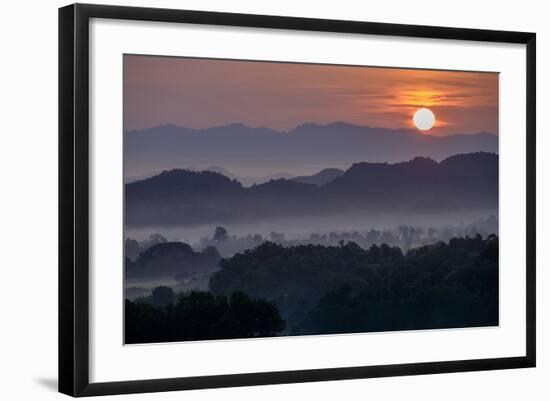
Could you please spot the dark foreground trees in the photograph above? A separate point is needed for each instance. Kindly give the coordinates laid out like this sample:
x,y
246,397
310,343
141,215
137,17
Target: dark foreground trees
x,y
322,290
201,316
171,259
314,289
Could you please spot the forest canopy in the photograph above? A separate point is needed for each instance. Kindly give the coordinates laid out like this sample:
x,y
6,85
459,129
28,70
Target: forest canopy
x,y
201,316
313,289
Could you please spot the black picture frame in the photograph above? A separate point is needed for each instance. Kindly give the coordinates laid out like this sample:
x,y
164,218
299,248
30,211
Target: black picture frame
x,y
74,198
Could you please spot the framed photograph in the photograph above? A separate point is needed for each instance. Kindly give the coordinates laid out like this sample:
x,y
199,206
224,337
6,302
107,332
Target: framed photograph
x,y
250,199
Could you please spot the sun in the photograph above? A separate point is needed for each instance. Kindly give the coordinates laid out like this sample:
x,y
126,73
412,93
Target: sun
x,y
424,119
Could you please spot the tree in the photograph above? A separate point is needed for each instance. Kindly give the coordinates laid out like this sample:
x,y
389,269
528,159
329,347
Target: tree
x,y
171,259
442,285
154,239
162,296
132,248
220,234
199,315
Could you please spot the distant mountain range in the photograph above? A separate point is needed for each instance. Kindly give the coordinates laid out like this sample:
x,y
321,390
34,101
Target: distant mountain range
x,y
246,181
321,178
249,151
184,197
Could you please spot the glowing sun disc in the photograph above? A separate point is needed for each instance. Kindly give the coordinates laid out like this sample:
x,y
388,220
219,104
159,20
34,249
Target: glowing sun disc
x,y
424,119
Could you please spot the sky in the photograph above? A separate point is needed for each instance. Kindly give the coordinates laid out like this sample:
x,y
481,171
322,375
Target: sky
x,y
203,93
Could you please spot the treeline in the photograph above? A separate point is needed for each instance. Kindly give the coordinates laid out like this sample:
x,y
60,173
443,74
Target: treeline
x,y
172,259
199,316
403,236
315,289
325,289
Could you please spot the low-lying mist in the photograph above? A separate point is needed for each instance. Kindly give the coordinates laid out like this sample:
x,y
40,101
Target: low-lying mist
x,y
302,227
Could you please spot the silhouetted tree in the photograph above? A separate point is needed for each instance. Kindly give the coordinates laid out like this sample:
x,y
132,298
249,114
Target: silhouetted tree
x,y
162,296
220,234
132,248
201,316
172,259
331,289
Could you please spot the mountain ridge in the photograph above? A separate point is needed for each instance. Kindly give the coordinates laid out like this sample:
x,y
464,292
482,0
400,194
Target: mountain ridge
x,y
461,182
298,128
248,151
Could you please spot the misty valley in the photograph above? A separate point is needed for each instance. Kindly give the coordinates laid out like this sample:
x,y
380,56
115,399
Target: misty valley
x,y
371,247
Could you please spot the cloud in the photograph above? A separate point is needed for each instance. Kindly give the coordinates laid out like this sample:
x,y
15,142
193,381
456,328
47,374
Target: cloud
x,y
200,93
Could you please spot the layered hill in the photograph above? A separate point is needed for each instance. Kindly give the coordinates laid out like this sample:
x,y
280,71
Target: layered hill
x,y
183,197
321,178
249,151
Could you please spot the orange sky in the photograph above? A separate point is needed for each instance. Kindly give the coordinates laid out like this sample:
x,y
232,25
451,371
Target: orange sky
x,y
200,93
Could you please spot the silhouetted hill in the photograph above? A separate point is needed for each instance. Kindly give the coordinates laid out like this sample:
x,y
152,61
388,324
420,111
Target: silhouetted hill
x,y
177,196
345,289
248,149
183,184
172,260
248,181
467,181
221,170
321,178
461,182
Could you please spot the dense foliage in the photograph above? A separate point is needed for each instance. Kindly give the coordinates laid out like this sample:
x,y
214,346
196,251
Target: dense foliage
x,y
313,289
403,236
326,289
199,316
172,259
